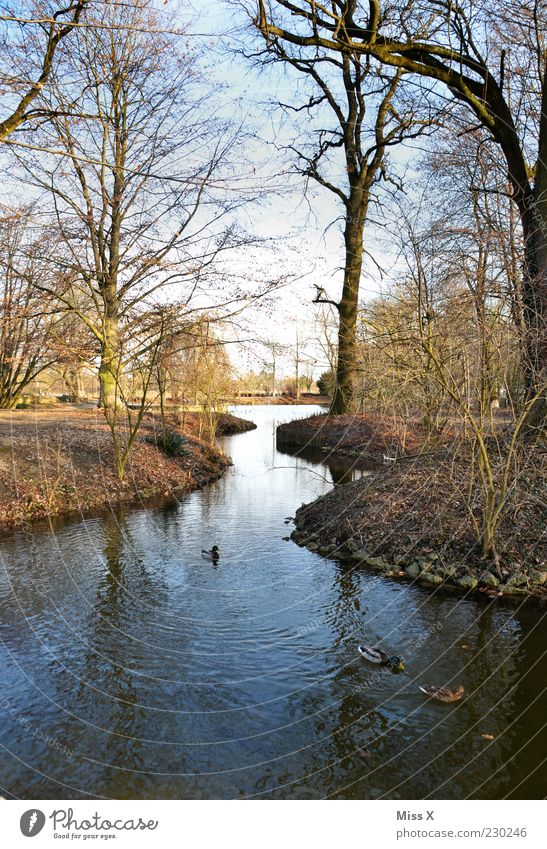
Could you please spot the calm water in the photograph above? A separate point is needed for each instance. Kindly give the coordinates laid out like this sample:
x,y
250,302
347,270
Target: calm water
x,y
132,667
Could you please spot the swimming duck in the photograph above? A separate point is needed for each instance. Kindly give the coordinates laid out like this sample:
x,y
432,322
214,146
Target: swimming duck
x,y
214,554
443,694
375,655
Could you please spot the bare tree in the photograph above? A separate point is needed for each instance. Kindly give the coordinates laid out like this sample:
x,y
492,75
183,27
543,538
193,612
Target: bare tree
x,y
191,364
468,48
125,118
26,344
40,44
448,336
353,109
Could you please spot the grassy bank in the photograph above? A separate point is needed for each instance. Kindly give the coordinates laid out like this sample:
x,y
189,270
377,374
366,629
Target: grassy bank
x,y
411,519
54,462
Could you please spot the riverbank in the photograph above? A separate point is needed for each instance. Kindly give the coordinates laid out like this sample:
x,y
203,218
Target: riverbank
x,y
411,519
54,462
283,400
370,436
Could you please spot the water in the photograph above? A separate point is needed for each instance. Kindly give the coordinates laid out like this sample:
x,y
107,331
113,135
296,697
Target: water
x,y
131,667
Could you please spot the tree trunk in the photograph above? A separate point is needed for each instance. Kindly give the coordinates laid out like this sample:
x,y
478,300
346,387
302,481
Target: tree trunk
x,y
74,381
162,384
79,394
8,401
109,368
535,314
533,210
344,398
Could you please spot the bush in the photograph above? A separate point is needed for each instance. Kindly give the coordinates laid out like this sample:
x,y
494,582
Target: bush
x,y
175,445
326,383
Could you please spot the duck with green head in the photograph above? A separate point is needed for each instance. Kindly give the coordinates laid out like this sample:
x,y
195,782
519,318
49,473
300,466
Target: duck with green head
x,y
214,554
381,657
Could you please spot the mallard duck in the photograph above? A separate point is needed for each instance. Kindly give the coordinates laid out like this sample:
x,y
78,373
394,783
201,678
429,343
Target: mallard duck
x,y
375,655
214,554
443,694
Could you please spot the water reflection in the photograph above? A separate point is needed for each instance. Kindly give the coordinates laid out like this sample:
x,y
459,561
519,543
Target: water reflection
x,y
341,469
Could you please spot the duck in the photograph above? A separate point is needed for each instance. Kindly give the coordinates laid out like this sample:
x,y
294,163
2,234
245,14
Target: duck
x,y
214,554
375,655
443,694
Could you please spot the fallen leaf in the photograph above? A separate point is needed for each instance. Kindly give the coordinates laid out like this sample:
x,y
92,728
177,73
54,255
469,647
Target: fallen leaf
x,y
488,736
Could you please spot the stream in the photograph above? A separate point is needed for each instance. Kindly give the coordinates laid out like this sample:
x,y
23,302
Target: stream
x,y
132,667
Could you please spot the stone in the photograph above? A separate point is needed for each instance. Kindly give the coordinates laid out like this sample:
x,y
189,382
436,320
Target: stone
x,y
352,545
518,579
447,571
301,540
468,582
429,578
325,550
312,546
507,590
413,570
359,553
537,577
489,580
376,562
432,555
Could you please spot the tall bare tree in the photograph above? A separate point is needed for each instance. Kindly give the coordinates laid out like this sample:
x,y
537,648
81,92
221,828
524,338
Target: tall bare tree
x,y
26,346
126,171
466,48
353,109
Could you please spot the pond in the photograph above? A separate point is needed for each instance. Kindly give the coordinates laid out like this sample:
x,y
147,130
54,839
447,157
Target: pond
x,y
131,667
